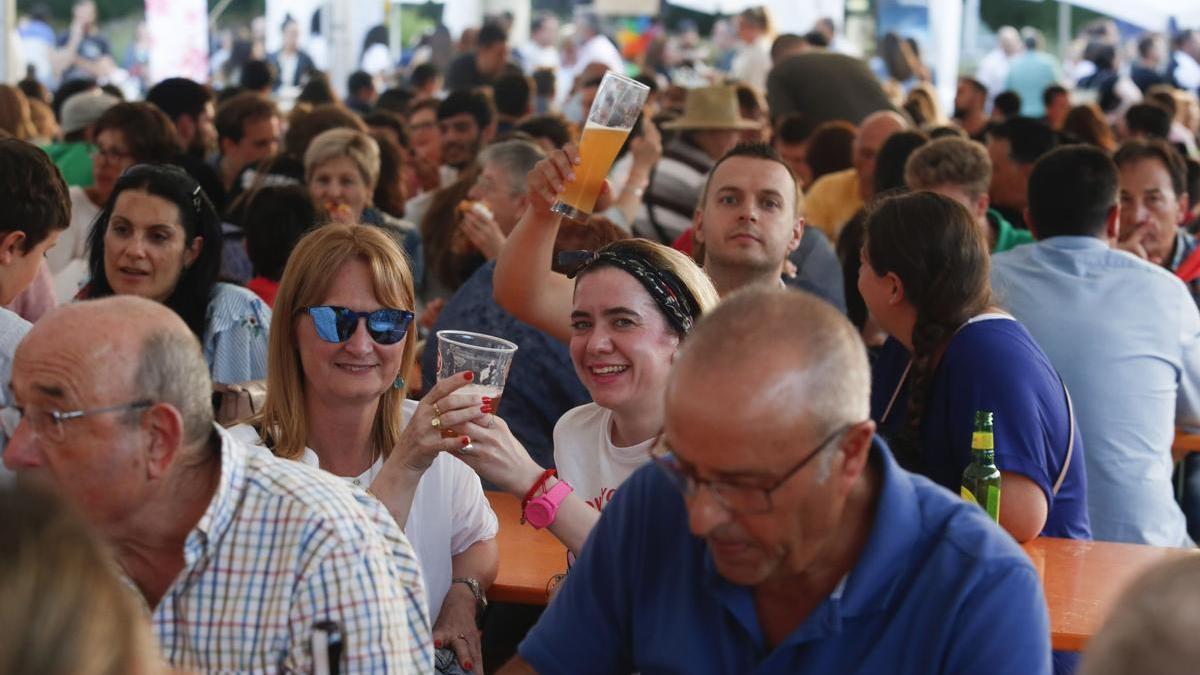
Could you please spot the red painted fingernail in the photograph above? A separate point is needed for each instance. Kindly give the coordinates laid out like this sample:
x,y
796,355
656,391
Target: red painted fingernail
x,y
466,441
485,409
467,665
469,376
437,644
487,400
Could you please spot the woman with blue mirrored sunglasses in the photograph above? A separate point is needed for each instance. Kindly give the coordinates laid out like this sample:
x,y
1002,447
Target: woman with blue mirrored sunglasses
x,y
339,354
337,324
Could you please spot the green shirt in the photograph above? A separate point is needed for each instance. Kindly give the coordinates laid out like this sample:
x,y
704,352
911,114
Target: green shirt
x,y
74,160
1007,236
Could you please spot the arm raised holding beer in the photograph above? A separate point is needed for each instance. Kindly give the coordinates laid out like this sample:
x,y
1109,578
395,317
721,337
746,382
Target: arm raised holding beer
x,y
523,282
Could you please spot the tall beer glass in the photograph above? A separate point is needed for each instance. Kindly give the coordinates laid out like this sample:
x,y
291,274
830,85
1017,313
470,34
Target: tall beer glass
x,y
616,107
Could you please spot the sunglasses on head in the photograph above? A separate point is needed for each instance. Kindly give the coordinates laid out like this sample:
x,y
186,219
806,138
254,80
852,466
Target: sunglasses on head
x,y
337,324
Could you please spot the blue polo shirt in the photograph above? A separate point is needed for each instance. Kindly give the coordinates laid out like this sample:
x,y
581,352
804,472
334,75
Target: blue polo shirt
x,y
939,588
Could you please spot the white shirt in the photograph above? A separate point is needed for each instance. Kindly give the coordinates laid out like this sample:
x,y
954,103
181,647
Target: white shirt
x,y
287,67
598,49
587,458
1187,71
752,63
535,56
993,71
449,512
377,60
68,257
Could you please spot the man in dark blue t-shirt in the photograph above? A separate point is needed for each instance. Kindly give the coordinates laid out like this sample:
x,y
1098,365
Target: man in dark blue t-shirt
x,y
82,52
798,545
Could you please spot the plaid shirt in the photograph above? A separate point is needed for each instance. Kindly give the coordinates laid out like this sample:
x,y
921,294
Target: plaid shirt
x,y
1185,245
280,548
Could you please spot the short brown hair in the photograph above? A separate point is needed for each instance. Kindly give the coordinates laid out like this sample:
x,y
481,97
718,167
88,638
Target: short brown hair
x,y
234,113
1132,152
755,151
831,148
306,126
950,161
148,132
33,192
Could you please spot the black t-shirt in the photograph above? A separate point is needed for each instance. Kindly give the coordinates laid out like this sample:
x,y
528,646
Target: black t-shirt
x,y
463,74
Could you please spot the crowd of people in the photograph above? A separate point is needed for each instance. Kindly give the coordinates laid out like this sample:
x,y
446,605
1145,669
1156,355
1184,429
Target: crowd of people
x,y
744,392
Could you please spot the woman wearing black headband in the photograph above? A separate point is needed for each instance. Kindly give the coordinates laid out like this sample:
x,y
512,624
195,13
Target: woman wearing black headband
x,y
633,302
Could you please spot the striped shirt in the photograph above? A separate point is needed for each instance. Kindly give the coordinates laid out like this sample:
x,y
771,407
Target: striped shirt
x,y
281,547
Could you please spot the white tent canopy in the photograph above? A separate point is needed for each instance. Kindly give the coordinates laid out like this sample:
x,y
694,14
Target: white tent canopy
x,y
789,16
1150,14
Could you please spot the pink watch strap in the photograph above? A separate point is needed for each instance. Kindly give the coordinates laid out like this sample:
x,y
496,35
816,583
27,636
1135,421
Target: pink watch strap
x,y
541,511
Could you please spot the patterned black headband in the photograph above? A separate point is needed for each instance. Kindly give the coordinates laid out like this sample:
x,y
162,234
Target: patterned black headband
x,y
668,291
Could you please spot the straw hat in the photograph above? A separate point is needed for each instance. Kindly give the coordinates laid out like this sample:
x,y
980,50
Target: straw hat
x,y
711,108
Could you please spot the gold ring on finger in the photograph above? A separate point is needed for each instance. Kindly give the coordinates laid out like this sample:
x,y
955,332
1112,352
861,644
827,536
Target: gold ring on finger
x,y
437,411
436,422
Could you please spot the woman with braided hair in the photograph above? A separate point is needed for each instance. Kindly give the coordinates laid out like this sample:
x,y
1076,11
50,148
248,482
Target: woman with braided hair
x,y
952,352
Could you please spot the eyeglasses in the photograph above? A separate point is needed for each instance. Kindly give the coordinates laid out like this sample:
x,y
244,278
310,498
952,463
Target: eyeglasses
x,y
735,498
110,155
337,324
48,424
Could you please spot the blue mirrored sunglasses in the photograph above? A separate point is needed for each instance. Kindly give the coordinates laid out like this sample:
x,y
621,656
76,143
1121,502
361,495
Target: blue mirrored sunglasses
x,y
337,324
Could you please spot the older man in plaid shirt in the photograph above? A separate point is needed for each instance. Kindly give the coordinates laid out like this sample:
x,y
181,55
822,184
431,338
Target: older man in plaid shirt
x,y
238,555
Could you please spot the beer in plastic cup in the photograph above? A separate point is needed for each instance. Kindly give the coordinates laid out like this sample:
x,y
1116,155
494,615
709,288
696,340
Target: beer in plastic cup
x,y
487,357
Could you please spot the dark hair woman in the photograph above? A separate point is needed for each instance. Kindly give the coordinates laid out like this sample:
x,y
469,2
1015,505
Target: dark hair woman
x,y
159,237
952,352
126,134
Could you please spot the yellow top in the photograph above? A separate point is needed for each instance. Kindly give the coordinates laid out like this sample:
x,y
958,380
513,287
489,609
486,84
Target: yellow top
x,y
832,200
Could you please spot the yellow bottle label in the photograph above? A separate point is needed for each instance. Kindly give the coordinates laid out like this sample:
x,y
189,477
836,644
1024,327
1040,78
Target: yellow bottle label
x,y
966,495
993,502
981,440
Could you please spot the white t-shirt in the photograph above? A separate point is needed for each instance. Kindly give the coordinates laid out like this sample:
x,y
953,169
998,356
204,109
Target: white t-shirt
x,y
598,49
68,257
449,512
535,56
586,457
752,63
287,67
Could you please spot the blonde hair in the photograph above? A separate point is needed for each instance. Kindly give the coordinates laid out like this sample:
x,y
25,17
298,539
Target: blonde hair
x,y
667,259
1152,626
45,126
306,281
63,609
15,117
336,143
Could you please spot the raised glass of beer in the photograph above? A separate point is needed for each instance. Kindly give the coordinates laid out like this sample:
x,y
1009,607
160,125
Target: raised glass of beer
x,y
618,102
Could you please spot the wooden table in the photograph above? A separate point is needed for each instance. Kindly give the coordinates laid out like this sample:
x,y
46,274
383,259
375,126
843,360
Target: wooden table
x,y
1083,580
528,557
1185,442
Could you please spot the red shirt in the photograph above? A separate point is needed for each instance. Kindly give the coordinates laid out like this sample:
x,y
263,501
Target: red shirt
x,y
265,289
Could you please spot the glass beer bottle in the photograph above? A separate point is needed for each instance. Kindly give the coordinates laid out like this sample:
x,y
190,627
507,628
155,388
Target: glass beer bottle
x,y
981,479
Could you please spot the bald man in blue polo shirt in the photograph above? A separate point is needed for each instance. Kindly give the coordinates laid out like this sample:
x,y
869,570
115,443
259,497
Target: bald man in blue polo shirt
x,y
798,544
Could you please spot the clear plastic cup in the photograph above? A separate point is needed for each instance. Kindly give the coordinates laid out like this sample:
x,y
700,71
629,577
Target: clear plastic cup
x,y
488,357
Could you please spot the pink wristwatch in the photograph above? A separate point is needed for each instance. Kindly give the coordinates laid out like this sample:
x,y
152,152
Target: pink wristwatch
x,y
540,512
